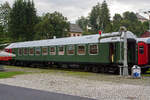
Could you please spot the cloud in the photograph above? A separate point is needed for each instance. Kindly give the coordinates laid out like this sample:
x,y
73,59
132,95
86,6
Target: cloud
x,y
73,9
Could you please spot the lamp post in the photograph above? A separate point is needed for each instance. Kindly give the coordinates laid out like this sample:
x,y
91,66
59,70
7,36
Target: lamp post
x,y
125,63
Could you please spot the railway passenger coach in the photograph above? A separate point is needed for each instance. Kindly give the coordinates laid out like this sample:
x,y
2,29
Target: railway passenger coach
x,y
86,52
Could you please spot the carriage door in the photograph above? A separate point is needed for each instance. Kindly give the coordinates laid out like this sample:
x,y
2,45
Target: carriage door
x,y
142,53
111,52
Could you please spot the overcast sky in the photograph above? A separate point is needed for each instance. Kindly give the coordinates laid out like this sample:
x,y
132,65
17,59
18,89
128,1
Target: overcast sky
x,y
73,9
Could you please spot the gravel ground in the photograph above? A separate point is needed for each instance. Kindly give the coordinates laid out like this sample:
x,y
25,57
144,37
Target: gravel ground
x,y
101,90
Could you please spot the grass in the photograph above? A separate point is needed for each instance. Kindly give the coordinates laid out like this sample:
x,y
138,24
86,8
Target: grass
x,y
9,74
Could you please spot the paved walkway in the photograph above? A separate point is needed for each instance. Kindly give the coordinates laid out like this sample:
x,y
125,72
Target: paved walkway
x,y
17,93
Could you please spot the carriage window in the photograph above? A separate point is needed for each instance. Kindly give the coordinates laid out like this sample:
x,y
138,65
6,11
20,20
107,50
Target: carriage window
x,y
45,51
93,49
61,50
52,50
26,51
81,50
20,51
38,51
70,49
141,49
31,51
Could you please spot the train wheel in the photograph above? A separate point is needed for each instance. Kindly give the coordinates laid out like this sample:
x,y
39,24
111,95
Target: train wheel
x,y
95,69
87,68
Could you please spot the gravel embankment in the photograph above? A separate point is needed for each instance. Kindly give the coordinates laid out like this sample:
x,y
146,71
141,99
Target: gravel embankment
x,y
101,90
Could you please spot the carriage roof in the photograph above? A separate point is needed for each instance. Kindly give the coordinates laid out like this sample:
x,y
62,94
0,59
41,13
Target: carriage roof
x,y
146,40
72,40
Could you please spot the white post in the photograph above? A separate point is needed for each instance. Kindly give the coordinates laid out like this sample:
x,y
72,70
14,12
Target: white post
x,y
125,64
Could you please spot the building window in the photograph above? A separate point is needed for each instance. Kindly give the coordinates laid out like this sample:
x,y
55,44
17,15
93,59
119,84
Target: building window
x,y
52,50
74,35
38,51
31,51
70,49
81,50
61,50
20,51
93,49
26,51
44,51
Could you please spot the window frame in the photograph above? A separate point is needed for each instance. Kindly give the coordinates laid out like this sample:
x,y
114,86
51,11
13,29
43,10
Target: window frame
x,y
61,51
19,52
97,49
50,53
84,49
33,51
27,51
36,53
73,49
44,54
141,49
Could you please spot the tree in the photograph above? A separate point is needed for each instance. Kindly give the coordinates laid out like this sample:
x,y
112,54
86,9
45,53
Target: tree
x,y
4,15
100,18
4,19
22,20
94,18
131,22
52,24
116,22
105,17
83,22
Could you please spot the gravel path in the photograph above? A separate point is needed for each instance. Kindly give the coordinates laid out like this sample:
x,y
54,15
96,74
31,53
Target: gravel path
x,y
100,90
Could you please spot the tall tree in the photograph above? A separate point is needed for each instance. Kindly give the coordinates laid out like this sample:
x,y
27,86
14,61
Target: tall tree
x,y
94,17
4,15
4,19
105,17
117,22
100,18
52,24
22,20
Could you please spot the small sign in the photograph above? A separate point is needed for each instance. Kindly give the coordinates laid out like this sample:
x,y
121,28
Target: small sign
x,y
100,32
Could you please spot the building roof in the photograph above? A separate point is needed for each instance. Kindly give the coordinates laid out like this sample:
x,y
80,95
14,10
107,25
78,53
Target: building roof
x,y
145,34
73,40
75,28
140,17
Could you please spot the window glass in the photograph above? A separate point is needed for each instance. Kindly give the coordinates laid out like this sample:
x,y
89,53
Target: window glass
x,y
94,49
70,49
26,51
141,49
52,50
45,51
20,51
38,51
81,50
31,51
61,50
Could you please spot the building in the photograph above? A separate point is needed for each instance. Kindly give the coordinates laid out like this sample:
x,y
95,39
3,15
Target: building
x,y
145,34
75,30
141,18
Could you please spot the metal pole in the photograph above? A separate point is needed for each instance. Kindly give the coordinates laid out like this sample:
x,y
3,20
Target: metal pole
x,y
125,64
149,22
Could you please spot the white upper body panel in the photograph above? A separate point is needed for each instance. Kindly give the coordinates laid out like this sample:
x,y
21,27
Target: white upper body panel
x,y
72,40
